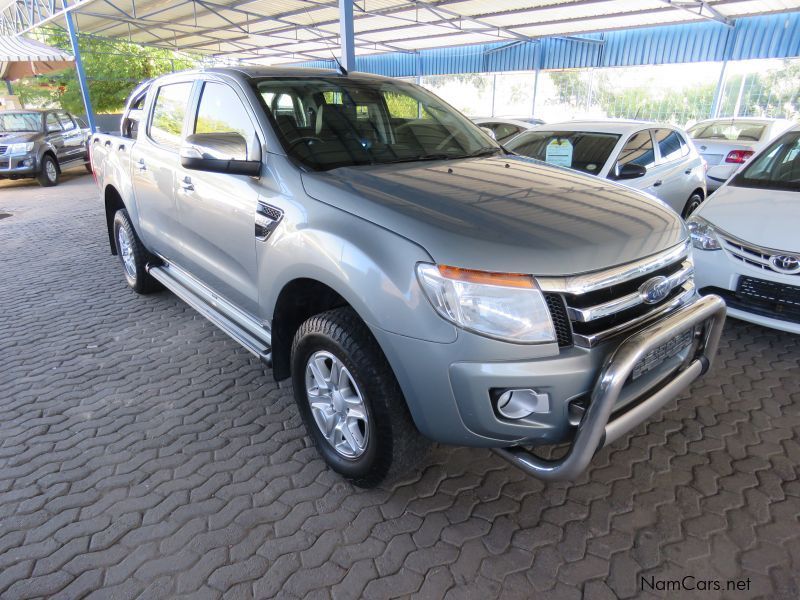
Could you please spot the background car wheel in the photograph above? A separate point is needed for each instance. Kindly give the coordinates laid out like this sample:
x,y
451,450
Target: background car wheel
x,y
350,400
133,255
694,201
48,175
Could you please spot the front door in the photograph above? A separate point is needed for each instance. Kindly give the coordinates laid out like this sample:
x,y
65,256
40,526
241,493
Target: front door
x,y
217,210
639,150
54,135
154,159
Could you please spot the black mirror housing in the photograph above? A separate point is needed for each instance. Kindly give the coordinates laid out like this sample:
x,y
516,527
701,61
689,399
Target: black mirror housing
x,y
628,171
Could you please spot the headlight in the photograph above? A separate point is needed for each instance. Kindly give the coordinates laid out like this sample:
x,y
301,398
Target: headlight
x,y
22,148
702,233
505,306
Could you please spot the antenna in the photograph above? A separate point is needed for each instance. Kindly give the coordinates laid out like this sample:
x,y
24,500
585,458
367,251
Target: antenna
x,y
339,65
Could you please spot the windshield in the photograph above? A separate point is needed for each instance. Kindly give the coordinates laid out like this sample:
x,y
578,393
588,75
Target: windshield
x,y
16,122
734,132
776,168
581,150
331,122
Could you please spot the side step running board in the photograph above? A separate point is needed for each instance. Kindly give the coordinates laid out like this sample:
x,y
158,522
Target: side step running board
x,y
209,306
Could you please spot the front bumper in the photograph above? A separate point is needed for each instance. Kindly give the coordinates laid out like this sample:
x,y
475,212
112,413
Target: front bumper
x,y
18,166
598,427
716,272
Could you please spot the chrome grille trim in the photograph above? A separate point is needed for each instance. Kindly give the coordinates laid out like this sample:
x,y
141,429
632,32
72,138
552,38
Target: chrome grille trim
x,y
589,341
606,309
752,254
589,282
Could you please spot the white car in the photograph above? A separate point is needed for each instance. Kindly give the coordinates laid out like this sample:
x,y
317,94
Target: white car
x,y
652,157
726,144
505,129
747,245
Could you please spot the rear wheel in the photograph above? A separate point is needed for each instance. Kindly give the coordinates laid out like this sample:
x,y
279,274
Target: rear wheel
x,y
48,175
692,204
350,401
133,255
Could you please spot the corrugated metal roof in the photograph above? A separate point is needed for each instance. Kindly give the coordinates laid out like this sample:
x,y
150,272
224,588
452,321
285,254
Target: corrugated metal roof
x,y
235,29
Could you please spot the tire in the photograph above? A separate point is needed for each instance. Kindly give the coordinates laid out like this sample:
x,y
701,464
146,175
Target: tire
x,y
694,201
49,173
391,442
133,255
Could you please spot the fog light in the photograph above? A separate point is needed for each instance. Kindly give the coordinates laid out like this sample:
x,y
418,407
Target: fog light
x,y
516,404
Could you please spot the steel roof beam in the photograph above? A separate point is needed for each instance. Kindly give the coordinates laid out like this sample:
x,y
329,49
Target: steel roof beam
x,y
696,8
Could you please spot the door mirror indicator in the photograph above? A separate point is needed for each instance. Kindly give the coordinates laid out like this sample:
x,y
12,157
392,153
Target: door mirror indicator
x,y
628,171
224,152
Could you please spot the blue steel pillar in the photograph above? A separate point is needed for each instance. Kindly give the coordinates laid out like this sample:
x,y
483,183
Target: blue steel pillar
x,y
87,102
347,35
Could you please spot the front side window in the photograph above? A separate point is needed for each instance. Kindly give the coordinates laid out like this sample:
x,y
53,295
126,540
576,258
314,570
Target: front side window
x,y
581,150
638,150
776,168
168,114
51,122
671,144
66,122
727,130
221,111
326,123
13,122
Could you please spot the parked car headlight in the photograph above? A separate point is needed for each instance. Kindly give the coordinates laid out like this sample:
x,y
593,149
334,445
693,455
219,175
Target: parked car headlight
x,y
703,235
504,306
21,148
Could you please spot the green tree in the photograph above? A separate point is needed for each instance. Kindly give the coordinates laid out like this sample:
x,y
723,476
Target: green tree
x,y
112,68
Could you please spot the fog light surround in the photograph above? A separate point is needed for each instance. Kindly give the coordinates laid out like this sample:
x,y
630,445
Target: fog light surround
x,y
519,403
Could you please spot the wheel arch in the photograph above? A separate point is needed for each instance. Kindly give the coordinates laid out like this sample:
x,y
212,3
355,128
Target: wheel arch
x,y
113,202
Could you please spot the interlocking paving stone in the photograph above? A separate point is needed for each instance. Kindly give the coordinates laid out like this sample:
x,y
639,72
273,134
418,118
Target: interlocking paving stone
x,y
144,454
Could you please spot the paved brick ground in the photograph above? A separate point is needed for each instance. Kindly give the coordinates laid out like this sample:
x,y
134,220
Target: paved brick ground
x,y
143,454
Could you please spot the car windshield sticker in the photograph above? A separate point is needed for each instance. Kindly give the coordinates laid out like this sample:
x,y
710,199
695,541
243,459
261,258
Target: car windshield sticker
x,y
559,152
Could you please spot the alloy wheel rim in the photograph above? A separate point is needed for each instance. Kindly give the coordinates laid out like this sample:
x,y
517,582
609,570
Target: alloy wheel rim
x,y
51,170
126,252
337,404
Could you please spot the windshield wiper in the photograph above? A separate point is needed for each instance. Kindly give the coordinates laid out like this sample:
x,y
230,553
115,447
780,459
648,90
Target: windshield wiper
x,y
485,151
421,157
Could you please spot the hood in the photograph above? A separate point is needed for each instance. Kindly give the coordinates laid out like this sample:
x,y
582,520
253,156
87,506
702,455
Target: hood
x,y
766,218
504,214
11,137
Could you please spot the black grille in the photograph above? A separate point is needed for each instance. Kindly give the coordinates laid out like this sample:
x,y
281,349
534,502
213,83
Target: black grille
x,y
558,312
3,149
764,298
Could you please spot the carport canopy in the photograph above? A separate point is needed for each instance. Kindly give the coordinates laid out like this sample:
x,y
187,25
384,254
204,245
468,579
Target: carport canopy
x,y
280,31
21,57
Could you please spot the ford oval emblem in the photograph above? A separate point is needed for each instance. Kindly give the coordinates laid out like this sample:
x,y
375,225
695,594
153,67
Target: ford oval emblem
x,y
655,290
785,263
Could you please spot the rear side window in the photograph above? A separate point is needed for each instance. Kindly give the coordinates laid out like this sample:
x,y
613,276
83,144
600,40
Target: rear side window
x,y
51,122
638,150
221,111
66,121
671,144
168,114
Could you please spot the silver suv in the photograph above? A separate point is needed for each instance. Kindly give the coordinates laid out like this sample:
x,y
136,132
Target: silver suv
x,y
372,244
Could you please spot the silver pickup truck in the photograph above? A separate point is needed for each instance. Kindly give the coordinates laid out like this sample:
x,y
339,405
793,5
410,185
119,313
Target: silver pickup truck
x,y
409,275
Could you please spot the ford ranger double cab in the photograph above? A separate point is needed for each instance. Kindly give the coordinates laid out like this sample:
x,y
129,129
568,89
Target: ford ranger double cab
x,y
414,280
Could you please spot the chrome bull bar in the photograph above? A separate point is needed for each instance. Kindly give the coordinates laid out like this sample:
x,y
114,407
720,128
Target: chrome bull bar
x,y
595,429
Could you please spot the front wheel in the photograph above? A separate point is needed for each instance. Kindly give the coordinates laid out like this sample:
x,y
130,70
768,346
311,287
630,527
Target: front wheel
x,y
350,400
48,175
692,204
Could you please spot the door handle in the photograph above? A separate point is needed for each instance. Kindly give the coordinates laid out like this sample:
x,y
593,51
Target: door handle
x,y
141,166
657,183
187,185
108,143
121,148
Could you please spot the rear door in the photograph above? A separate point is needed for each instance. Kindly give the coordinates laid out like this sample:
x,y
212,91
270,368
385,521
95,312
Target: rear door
x,y
74,143
674,168
218,210
154,161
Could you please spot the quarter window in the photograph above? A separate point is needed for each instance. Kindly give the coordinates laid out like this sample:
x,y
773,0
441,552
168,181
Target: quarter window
x,y
168,114
221,111
638,150
671,144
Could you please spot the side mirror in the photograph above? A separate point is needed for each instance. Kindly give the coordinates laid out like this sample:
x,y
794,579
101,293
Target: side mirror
x,y
628,171
489,132
224,152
